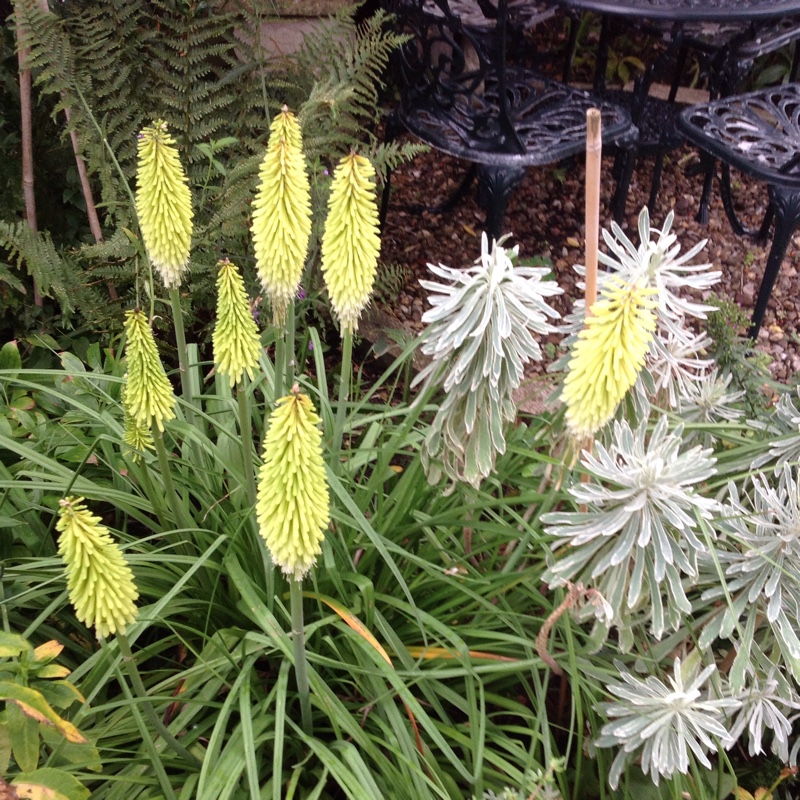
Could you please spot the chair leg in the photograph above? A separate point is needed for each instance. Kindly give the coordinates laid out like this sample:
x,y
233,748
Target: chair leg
x,y
708,165
393,129
726,192
786,207
655,183
495,185
624,169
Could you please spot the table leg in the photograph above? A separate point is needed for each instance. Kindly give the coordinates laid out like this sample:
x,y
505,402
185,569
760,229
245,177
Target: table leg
x,y
495,184
786,205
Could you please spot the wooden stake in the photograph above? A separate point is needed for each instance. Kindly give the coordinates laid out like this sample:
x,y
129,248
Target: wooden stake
x,y
26,128
594,147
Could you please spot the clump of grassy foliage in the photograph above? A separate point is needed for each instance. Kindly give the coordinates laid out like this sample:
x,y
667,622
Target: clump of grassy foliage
x,y
497,609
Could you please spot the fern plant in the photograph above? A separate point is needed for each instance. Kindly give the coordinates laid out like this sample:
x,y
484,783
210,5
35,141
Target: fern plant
x,y
202,68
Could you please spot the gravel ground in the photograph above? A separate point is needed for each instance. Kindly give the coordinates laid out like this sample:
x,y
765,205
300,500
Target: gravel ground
x,y
545,217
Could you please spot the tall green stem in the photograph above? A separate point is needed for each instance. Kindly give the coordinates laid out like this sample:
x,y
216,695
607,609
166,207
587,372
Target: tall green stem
x,y
246,434
290,354
183,358
280,367
284,354
138,686
299,645
344,394
166,476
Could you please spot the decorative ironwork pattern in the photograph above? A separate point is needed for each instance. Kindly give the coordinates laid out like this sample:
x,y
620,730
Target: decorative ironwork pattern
x,y
758,133
688,10
460,96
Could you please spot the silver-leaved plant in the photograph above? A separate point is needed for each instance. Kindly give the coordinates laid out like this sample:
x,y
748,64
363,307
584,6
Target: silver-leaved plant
x,y
636,539
759,553
480,336
661,724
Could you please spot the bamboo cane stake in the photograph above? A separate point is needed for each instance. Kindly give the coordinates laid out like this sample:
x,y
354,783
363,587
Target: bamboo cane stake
x,y
26,127
594,147
86,188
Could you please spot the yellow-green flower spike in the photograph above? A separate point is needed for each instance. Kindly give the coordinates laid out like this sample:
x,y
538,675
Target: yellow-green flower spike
x,y
282,214
292,505
148,393
137,436
163,203
235,339
99,581
351,242
608,356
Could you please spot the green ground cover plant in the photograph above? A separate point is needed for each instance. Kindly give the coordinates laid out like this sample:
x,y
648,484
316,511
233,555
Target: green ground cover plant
x,y
236,571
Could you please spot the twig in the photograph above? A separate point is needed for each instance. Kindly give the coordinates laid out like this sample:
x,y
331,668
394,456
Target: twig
x,y
575,594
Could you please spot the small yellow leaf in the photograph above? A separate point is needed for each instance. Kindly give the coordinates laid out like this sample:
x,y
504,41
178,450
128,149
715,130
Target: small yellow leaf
x,y
442,652
396,468
35,791
743,794
48,651
54,671
353,621
573,242
470,231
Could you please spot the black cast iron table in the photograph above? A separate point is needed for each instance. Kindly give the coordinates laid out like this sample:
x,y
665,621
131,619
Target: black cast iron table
x,y
759,134
688,10
727,34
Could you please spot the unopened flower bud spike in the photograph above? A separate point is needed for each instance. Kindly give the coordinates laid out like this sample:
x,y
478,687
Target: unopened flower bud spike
x,y
293,509
237,347
164,209
350,249
102,591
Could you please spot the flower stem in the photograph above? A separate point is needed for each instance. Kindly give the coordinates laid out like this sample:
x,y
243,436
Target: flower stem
x,y
138,686
166,475
183,358
279,390
344,393
246,433
290,354
299,644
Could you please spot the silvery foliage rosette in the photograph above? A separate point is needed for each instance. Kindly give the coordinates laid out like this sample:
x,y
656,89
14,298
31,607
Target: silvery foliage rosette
x,y
480,330
759,554
708,402
662,723
636,541
784,430
766,704
677,354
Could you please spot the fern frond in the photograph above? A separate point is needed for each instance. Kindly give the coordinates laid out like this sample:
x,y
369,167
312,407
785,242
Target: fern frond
x,y
56,273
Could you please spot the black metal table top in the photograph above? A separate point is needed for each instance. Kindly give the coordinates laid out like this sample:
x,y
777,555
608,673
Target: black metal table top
x,y
687,10
758,132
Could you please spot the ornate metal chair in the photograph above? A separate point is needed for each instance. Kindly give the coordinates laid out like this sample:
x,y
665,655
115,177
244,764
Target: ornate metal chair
x,y
759,134
460,95
725,51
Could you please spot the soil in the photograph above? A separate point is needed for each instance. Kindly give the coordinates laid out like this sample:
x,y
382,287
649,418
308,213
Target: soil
x,y
546,217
